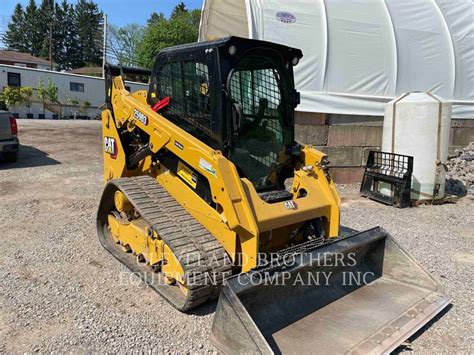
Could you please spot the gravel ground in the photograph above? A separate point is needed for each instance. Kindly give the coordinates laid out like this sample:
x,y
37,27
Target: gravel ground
x,y
60,291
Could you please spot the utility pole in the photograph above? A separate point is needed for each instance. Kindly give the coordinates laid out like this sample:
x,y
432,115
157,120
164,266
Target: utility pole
x,y
51,45
104,49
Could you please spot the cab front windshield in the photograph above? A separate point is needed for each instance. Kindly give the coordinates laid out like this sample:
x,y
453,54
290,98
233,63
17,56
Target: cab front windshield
x,y
261,113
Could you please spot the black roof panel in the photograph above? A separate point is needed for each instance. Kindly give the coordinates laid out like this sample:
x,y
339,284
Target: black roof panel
x,y
227,41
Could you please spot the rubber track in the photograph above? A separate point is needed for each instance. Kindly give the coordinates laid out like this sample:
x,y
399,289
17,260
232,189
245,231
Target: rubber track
x,y
199,253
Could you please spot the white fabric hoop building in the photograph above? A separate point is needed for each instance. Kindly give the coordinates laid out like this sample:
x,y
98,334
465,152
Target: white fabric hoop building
x,y
358,55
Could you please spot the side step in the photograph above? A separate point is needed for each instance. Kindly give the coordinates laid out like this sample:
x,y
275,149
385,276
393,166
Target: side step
x,y
376,296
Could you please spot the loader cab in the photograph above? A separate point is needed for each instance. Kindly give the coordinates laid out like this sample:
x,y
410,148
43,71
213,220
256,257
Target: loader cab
x,y
236,95
261,98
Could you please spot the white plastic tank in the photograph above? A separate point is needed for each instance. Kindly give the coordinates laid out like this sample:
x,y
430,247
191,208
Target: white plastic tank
x,y
418,124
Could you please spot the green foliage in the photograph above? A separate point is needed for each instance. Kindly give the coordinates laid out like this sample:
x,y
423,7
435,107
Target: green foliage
x,y
42,91
76,32
14,32
52,92
72,101
11,97
123,43
33,31
65,51
85,105
179,10
45,19
27,95
182,27
155,18
47,93
89,20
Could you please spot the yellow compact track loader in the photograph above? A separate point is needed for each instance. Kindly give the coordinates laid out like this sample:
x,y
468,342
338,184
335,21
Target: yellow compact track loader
x,y
208,194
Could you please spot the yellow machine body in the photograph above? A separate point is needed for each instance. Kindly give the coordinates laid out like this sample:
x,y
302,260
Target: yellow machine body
x,y
196,222
242,217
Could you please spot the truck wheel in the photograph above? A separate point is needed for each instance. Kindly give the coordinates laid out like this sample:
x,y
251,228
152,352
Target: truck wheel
x,y
10,157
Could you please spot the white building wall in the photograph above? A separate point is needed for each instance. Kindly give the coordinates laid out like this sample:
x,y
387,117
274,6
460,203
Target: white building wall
x,y
94,89
43,66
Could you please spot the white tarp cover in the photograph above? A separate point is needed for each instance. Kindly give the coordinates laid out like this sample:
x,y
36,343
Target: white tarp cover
x,y
216,22
360,54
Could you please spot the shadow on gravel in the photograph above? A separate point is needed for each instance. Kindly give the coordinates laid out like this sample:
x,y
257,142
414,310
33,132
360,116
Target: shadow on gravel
x,y
205,309
407,345
29,157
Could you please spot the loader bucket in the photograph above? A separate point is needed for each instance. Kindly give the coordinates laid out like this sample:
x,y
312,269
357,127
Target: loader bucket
x,y
376,296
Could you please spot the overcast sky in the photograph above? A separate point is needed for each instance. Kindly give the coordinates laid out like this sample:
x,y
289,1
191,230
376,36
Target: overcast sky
x,y
120,12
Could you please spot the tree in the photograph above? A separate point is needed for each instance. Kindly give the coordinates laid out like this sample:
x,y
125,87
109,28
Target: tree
x,y
69,52
85,107
179,10
182,27
52,95
46,24
52,92
155,18
123,43
33,29
27,95
15,37
11,96
42,93
59,34
47,93
88,22
76,31
70,101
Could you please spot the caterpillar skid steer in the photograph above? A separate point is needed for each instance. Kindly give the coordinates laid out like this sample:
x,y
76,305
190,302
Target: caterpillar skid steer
x,y
208,195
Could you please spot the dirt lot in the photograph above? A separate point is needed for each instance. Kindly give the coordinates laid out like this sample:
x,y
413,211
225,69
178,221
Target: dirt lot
x,y
60,291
